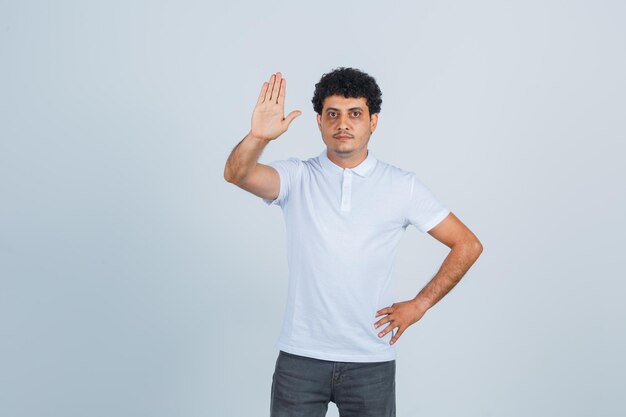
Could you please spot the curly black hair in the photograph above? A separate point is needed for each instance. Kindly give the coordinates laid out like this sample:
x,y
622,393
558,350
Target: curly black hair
x,y
349,82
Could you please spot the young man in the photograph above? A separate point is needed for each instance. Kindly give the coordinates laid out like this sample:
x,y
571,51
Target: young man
x,y
345,212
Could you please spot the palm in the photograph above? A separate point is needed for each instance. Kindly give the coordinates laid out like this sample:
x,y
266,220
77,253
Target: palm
x,y
268,120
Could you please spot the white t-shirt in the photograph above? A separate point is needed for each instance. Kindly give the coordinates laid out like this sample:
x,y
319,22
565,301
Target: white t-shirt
x,y
343,227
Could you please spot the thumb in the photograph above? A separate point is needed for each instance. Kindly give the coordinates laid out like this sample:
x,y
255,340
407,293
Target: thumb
x,y
292,116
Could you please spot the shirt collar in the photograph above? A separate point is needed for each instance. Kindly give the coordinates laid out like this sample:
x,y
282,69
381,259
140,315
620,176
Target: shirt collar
x,y
362,169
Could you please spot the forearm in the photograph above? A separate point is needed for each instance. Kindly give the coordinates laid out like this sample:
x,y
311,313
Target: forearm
x,y
453,268
243,158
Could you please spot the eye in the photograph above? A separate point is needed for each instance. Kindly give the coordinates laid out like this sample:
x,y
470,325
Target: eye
x,y
356,113
332,113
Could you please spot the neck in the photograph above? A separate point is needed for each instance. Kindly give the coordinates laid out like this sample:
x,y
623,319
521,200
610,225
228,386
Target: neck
x,y
345,160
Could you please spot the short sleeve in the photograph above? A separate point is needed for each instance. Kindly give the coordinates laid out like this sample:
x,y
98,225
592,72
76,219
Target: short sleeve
x,y
425,211
288,170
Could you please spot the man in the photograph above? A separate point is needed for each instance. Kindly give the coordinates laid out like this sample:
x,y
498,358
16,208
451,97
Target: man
x,y
345,212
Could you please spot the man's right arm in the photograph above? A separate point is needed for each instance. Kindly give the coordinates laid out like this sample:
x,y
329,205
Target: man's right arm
x,y
243,170
268,122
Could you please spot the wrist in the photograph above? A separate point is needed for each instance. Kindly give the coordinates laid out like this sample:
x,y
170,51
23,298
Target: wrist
x,y
258,139
421,304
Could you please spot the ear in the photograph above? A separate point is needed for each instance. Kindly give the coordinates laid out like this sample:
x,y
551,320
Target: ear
x,y
373,122
319,121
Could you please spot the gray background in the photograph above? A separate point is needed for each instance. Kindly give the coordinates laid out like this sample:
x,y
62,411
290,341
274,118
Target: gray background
x,y
135,281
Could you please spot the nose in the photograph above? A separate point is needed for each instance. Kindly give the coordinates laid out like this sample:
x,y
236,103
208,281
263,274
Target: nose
x,y
343,122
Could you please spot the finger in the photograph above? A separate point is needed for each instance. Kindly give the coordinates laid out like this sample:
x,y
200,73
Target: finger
x,y
387,330
382,321
281,91
385,310
263,92
397,335
292,116
270,86
275,87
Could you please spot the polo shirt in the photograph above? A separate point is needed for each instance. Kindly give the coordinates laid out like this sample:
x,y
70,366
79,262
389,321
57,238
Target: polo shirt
x,y
343,227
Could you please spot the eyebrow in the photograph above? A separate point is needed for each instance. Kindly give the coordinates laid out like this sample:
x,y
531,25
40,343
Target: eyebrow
x,y
350,109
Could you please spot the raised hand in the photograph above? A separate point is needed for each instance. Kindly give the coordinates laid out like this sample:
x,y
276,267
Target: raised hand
x,y
268,118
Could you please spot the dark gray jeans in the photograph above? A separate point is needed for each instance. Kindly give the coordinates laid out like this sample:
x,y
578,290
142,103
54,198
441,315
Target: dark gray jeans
x,y
303,387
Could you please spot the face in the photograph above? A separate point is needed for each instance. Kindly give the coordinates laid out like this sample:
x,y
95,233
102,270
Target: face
x,y
346,126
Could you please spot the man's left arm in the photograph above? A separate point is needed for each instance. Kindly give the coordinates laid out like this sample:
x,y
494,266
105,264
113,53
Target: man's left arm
x,y
465,249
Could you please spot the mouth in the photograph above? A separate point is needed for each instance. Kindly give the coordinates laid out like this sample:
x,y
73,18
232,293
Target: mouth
x,y
342,137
